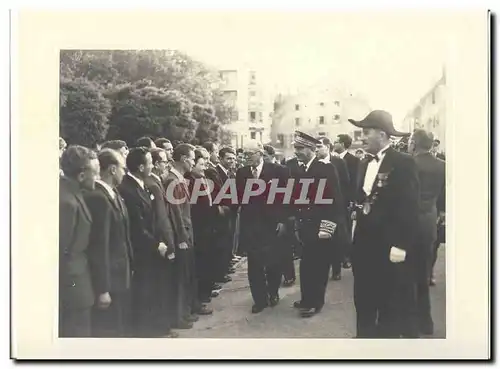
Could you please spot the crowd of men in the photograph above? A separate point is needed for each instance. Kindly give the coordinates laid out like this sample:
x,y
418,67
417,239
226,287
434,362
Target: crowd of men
x,y
133,263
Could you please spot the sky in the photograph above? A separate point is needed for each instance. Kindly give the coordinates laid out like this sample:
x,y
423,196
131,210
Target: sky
x,y
390,59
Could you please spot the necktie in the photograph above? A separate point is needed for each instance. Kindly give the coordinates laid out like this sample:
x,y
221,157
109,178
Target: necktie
x,y
371,157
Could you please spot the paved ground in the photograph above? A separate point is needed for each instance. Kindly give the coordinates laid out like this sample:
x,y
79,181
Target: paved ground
x,y
232,317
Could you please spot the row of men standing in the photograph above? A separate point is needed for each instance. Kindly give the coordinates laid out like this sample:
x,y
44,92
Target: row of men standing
x,y
131,262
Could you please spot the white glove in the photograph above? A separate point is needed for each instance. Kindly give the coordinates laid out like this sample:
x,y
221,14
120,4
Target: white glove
x,y
397,255
162,248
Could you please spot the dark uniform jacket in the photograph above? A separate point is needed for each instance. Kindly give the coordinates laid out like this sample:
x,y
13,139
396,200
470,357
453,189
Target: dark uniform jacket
x,y
393,218
75,222
315,217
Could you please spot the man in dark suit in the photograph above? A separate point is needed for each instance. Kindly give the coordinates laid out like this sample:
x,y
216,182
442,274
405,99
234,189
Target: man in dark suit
x,y
226,169
321,226
262,226
325,154
180,215
341,145
431,173
76,296
387,220
164,232
149,251
110,251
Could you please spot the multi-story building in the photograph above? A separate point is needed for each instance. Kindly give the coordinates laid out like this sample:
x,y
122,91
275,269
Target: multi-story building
x,y
251,103
318,113
430,112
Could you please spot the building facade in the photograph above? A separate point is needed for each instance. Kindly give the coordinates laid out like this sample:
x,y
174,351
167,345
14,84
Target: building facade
x,y
251,103
318,113
430,112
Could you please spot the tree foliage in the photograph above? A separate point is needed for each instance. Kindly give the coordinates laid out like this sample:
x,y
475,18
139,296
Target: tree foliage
x,y
83,112
149,92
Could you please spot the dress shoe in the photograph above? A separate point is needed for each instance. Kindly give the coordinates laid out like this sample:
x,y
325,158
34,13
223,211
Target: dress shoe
x,y
216,287
432,282
258,308
192,318
183,325
274,300
225,279
336,277
307,313
231,271
204,310
172,334
214,294
289,282
346,265
297,304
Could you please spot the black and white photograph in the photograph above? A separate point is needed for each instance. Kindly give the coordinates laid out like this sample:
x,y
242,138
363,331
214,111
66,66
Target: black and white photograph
x,y
258,175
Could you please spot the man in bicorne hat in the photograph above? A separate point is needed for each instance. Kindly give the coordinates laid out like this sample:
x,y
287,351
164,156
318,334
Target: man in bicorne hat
x,y
387,201
320,226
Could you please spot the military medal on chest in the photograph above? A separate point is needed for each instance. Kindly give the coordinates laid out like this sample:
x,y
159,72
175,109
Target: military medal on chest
x,y
367,208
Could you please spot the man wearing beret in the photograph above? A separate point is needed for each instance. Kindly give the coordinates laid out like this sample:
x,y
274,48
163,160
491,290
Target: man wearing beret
x,y
387,201
320,225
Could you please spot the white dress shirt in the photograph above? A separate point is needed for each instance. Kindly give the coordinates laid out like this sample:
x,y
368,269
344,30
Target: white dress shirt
x,y
342,154
259,168
372,170
310,162
108,188
326,160
223,169
138,180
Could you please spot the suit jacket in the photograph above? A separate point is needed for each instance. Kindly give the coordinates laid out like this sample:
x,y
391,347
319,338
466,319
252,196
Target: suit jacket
x,y
314,217
343,175
352,163
110,250
180,214
142,222
75,222
259,220
204,216
163,227
393,218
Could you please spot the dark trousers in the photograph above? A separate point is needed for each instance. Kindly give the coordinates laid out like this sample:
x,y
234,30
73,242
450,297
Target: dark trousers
x,y
186,294
264,279
425,252
204,270
74,322
314,268
224,249
115,320
384,294
288,263
337,253
150,317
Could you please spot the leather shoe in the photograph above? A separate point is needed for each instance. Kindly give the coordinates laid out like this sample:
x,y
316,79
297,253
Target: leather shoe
x,y
307,313
231,270
172,334
336,277
258,308
214,294
192,318
204,310
288,283
274,300
216,287
297,304
184,325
